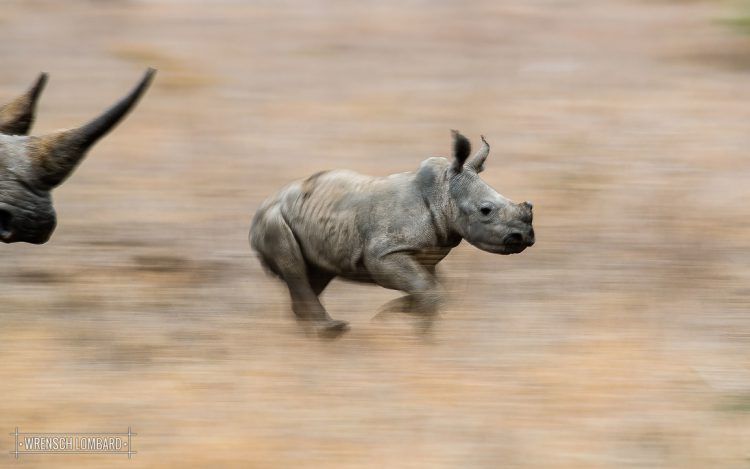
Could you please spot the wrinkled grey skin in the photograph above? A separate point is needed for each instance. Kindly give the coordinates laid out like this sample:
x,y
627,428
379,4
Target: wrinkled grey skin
x,y
391,231
30,167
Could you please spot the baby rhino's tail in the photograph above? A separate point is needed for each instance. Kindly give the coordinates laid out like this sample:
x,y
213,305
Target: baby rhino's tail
x,y
258,233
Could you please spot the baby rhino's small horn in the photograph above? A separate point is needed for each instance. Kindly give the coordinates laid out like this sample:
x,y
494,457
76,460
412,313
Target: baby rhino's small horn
x,y
17,117
476,162
56,155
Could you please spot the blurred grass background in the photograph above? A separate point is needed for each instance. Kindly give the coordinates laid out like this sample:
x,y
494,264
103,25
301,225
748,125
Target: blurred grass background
x,y
621,339
740,20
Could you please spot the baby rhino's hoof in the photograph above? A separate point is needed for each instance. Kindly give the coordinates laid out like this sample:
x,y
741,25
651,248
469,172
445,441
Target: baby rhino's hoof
x,y
332,328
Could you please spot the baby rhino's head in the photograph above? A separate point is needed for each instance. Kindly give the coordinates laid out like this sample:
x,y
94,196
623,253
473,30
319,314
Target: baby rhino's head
x,y
480,215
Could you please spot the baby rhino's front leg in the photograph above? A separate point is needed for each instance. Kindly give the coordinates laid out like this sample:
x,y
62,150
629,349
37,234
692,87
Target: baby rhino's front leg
x,y
400,271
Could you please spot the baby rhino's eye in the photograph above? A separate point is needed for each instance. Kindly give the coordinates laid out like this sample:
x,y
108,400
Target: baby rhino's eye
x,y
486,209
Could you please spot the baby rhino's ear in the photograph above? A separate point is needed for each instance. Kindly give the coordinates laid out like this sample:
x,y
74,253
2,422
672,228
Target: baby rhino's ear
x,y
476,162
461,151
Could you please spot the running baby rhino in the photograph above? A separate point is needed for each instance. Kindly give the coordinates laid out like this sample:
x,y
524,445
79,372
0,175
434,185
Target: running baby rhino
x,y
391,231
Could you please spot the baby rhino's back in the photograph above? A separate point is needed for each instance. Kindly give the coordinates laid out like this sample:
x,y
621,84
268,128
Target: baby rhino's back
x,y
327,213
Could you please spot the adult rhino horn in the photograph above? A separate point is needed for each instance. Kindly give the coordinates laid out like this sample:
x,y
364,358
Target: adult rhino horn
x,y
17,116
56,155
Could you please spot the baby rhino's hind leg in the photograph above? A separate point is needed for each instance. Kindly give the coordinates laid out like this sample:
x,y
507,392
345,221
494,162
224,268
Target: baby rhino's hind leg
x,y
283,256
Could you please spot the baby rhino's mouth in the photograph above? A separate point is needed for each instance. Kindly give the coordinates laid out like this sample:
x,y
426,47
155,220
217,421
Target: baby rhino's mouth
x,y
514,248
514,243
503,248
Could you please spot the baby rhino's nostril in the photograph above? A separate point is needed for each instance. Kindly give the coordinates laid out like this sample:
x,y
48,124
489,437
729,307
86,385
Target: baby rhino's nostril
x,y
514,238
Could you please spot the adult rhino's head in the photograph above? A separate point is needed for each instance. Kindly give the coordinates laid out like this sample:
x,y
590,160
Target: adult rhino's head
x,y
481,216
30,167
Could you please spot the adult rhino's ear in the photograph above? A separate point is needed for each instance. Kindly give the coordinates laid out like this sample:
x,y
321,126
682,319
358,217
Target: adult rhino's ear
x,y
55,155
476,162
461,151
17,116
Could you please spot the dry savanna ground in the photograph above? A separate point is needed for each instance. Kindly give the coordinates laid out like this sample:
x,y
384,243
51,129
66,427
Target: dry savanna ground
x,y
621,339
